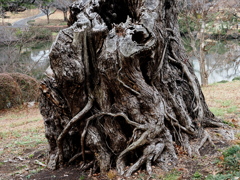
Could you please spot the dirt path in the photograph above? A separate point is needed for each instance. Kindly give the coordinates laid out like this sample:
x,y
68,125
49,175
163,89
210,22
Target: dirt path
x,y
24,22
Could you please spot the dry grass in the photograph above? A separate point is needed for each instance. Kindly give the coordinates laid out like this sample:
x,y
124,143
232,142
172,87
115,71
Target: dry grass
x,y
223,100
21,136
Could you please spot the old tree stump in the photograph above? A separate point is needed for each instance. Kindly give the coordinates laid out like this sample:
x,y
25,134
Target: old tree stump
x,y
122,92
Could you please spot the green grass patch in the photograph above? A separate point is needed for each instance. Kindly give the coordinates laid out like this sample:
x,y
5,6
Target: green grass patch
x,y
82,178
224,176
227,106
31,156
232,109
173,175
31,140
231,164
13,116
25,122
63,24
225,103
229,123
232,158
21,167
3,135
217,111
197,175
31,22
54,33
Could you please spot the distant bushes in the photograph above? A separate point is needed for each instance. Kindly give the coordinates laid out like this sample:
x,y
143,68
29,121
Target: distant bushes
x,y
10,93
34,33
16,88
236,78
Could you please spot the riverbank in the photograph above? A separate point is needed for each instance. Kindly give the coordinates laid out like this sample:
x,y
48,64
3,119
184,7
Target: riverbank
x,y
23,147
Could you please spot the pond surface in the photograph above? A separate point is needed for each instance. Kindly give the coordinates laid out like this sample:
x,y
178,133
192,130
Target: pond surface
x,y
226,72
221,67
32,60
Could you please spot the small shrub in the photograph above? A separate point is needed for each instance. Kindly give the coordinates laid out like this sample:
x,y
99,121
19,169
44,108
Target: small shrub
x,y
10,92
16,88
43,34
236,78
223,81
28,86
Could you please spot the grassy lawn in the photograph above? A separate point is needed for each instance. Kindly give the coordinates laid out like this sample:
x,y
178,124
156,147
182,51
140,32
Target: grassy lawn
x,y
223,100
22,139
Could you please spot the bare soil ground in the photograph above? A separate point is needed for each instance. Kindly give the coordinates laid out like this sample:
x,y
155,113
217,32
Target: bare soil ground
x,y
23,147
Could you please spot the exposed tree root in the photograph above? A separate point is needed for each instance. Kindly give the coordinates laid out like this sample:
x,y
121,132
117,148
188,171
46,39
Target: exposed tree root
x,y
59,155
138,126
206,137
77,156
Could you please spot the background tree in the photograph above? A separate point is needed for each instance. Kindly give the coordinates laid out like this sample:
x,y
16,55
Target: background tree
x,y
17,47
204,25
47,7
122,92
63,5
13,6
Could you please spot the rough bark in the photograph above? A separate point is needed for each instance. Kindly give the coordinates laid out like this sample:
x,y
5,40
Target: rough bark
x,y
122,90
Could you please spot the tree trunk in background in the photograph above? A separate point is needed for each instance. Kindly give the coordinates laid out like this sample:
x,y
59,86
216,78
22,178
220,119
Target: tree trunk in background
x,y
48,18
65,16
122,89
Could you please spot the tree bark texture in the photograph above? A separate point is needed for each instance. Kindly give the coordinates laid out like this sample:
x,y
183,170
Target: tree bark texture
x,y
122,92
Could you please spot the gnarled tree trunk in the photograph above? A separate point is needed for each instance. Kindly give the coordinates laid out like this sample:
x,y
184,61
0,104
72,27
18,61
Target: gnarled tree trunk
x,y
122,90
